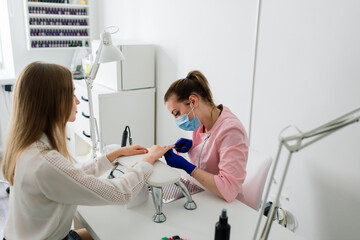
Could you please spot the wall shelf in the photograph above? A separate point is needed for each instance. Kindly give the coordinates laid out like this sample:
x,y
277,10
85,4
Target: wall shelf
x,y
40,38
56,25
56,5
58,16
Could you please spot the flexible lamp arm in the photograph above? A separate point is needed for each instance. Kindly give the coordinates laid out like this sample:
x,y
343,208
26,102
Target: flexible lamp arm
x,y
94,133
320,132
313,136
89,84
95,66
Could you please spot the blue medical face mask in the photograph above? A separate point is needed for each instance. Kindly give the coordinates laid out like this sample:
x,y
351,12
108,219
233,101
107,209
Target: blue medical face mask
x,y
184,123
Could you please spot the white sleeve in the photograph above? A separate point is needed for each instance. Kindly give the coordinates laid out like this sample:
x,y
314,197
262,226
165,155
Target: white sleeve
x,y
96,167
59,180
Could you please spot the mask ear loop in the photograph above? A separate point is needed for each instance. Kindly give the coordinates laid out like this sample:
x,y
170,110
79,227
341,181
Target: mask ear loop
x,y
192,110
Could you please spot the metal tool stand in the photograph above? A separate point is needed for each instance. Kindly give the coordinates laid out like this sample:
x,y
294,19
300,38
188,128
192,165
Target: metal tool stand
x,y
156,193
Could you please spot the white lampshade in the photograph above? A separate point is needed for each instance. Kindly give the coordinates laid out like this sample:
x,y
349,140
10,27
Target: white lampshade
x,y
109,52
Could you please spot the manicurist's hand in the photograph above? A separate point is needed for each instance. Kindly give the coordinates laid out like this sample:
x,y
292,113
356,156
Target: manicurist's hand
x,y
156,152
183,145
126,151
176,161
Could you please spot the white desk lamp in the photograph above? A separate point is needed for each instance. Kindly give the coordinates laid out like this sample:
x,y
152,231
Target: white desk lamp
x,y
106,53
313,136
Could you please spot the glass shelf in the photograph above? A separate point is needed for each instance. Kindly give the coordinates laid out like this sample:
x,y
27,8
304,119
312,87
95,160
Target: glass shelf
x,y
38,15
44,38
56,5
58,27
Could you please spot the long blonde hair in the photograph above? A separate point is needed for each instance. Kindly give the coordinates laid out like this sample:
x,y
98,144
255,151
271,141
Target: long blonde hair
x,y
42,103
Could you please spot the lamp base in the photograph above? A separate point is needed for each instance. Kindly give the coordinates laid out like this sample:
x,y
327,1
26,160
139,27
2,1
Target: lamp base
x,y
159,218
190,205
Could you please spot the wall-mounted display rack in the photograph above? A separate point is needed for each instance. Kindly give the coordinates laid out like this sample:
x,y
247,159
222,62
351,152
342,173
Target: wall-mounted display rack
x,y
56,24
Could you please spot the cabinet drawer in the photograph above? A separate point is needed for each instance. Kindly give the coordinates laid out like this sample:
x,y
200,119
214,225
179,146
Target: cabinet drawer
x,y
81,94
82,129
76,146
81,126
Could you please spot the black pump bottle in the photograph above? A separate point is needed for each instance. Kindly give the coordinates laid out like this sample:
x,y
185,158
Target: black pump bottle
x,y
222,228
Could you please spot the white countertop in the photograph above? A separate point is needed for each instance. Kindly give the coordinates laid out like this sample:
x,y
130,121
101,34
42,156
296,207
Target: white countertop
x,y
119,222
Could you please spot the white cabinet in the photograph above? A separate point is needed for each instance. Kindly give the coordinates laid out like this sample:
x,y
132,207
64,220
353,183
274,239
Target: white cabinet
x,y
114,110
135,109
56,24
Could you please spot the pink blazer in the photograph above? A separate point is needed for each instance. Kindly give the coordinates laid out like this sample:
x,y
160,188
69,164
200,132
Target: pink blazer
x,y
224,154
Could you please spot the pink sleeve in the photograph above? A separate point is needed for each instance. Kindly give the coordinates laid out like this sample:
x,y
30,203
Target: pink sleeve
x,y
233,150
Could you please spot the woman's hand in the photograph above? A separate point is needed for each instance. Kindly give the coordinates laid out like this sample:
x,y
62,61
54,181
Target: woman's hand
x,y
156,152
133,150
126,151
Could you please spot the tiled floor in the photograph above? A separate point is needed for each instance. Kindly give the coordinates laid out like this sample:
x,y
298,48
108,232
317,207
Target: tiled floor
x,y
4,206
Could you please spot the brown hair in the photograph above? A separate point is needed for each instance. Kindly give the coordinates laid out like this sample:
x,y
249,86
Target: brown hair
x,y
42,103
194,83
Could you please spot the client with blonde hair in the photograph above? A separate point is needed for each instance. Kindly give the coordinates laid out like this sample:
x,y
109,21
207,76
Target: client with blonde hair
x,y
46,186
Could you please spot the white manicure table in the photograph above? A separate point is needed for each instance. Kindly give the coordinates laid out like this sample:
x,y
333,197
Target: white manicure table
x,y
122,222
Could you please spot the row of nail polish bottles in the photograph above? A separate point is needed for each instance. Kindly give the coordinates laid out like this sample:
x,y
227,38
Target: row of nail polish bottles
x,y
58,11
59,32
50,1
57,44
60,22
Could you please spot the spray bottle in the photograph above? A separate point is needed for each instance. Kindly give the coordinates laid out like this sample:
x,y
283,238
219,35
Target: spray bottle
x,y
222,228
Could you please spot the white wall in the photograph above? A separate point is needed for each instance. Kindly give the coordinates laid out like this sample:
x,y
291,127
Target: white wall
x,y
215,37
308,73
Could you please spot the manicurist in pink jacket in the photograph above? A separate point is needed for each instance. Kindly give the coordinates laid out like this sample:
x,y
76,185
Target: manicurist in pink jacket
x,y
219,149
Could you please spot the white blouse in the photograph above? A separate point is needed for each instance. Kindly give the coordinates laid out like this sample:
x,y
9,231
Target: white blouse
x,y
48,187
